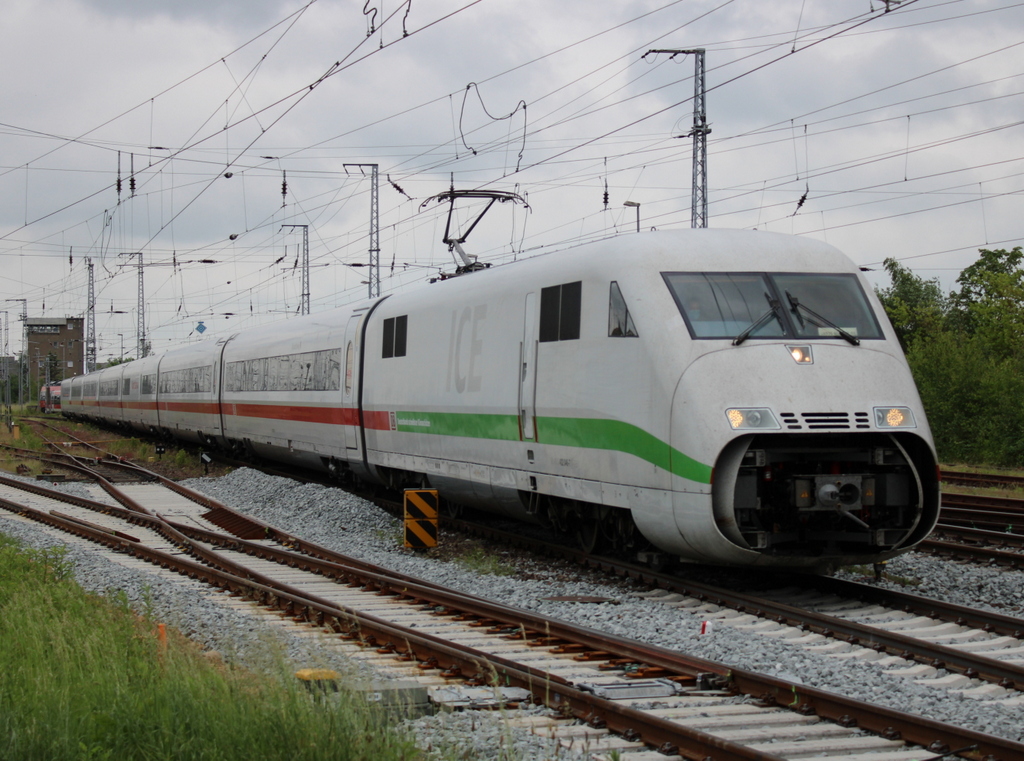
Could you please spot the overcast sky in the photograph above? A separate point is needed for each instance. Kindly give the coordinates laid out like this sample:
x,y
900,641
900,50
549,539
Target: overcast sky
x,y
899,131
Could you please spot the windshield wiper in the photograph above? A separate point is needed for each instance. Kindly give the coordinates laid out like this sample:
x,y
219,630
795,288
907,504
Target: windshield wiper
x,y
760,321
817,319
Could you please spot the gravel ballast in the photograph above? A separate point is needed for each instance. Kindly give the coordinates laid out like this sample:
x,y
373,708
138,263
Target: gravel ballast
x,y
355,527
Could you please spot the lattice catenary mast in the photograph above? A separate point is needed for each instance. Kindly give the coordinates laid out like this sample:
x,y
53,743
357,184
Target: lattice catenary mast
x,y
140,351
304,299
23,365
90,322
699,133
373,283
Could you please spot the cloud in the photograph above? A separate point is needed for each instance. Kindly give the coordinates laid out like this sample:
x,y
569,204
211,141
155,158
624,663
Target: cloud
x,y
238,14
191,91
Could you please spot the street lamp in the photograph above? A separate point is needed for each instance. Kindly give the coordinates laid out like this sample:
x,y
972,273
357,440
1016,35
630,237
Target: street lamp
x,y
636,205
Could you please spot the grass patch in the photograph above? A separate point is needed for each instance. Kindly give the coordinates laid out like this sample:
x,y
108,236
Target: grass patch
x,y
83,678
480,561
176,463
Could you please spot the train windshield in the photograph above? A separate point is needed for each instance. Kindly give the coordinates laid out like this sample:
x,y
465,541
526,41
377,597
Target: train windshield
x,y
826,306
773,305
724,304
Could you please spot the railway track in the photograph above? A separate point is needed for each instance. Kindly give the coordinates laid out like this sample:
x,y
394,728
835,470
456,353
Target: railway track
x,y
649,697
982,529
936,638
950,646
962,478
838,631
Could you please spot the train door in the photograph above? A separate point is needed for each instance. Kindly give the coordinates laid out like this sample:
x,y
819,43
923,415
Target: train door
x,y
528,371
218,386
350,386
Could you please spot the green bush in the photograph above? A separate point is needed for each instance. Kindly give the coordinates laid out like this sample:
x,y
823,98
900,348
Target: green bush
x,y
182,458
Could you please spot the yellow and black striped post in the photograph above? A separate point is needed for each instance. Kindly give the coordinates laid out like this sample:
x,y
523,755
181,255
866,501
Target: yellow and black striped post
x,y
420,518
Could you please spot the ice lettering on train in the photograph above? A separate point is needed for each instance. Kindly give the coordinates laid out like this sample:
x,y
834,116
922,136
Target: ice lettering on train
x,y
465,348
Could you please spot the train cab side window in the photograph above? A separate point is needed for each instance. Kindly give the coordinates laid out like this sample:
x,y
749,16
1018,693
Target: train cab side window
x,y
560,307
620,322
395,329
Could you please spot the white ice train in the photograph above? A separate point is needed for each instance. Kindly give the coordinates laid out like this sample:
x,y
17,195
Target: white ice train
x,y
730,397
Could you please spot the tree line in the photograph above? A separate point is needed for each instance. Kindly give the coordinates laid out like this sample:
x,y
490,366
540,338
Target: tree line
x,y
966,351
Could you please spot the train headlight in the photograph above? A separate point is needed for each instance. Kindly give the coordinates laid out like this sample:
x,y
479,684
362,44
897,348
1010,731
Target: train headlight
x,y
801,354
894,417
751,417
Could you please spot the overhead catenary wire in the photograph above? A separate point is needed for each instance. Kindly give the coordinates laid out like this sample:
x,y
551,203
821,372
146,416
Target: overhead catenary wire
x,y
569,172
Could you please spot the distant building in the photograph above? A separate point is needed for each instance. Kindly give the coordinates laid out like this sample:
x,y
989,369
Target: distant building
x,y
55,348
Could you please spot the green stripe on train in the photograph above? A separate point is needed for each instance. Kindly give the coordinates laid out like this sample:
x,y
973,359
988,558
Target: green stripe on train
x,y
463,424
618,436
589,433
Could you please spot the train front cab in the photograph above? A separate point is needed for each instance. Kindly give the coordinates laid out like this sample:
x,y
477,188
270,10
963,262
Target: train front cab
x,y
821,452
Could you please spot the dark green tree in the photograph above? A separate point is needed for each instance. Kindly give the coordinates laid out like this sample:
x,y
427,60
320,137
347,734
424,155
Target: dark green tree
x,y
915,306
967,355
990,302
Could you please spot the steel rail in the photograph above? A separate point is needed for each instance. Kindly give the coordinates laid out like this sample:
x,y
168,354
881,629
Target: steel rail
x,y
997,623
982,519
974,479
1004,505
976,666
807,700
980,535
974,552
434,652
52,427
657,732
1007,675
